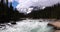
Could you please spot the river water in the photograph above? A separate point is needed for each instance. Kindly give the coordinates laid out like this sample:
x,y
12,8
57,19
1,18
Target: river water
x,y
28,25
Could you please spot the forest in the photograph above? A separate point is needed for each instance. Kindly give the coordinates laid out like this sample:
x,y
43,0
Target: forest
x,y
8,14
52,12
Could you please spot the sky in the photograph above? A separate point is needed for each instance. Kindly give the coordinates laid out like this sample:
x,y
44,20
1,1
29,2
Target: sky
x,y
22,5
14,4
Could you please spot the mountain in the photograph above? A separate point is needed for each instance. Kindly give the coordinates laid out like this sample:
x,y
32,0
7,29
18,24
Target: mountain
x,y
48,12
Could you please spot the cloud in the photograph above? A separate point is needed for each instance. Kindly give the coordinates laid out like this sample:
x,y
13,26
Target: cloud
x,y
10,0
25,4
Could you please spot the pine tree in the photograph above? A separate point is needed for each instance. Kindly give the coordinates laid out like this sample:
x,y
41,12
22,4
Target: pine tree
x,y
48,12
8,14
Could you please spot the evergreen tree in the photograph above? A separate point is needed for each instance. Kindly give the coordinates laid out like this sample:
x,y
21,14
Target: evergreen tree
x,y
48,12
8,14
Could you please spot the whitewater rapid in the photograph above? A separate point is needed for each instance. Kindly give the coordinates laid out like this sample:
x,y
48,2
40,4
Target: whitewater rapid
x,y
29,25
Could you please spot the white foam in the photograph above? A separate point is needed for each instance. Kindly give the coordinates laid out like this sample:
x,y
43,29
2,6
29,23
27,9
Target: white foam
x,y
27,26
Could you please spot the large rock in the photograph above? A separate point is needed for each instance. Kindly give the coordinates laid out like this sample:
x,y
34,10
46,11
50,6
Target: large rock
x,y
56,24
57,31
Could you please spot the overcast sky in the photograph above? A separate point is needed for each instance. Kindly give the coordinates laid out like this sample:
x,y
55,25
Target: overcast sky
x,y
27,3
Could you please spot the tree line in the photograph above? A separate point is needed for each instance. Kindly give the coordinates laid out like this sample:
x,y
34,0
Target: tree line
x,y
47,13
8,14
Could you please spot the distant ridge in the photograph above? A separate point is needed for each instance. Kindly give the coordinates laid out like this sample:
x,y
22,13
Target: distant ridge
x,y
48,12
